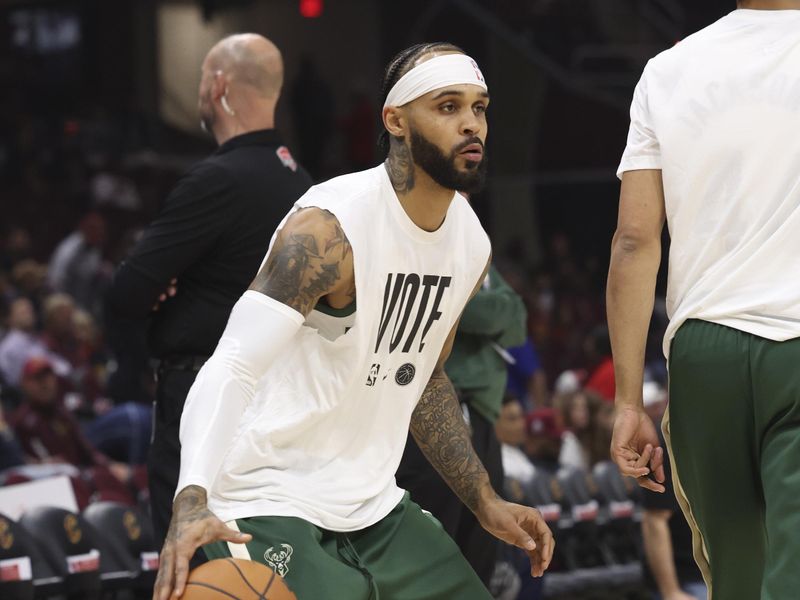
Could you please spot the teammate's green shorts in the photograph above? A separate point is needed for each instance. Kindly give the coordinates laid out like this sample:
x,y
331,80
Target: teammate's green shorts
x,y
405,556
734,430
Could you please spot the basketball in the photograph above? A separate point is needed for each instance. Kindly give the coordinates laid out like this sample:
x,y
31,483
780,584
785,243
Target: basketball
x,y
227,578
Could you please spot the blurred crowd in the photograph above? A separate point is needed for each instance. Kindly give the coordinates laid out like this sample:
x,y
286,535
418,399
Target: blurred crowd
x,y
57,416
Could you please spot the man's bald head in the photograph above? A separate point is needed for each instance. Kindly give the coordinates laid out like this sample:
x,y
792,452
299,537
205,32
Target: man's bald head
x,y
249,59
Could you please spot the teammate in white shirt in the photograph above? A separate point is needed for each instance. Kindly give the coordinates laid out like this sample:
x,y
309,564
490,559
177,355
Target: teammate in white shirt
x,y
295,426
714,149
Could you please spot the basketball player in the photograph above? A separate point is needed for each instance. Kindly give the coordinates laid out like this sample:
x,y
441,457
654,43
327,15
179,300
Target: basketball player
x,y
714,148
295,426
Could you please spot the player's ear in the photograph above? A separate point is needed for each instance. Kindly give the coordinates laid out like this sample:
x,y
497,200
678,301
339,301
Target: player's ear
x,y
394,120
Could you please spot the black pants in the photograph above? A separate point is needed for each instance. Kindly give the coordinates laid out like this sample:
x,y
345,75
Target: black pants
x,y
164,460
429,490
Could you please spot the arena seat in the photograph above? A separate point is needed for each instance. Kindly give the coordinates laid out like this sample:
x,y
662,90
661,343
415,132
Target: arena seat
x,y
70,548
129,538
16,568
613,489
544,493
619,523
582,544
24,571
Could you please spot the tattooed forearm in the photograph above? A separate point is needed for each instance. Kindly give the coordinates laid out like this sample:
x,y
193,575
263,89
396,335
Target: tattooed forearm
x,y
400,166
438,427
189,506
307,261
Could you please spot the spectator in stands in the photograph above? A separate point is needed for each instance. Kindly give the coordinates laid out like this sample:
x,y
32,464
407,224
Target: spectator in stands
x,y
91,359
526,377
588,421
28,277
569,382
20,342
111,187
123,433
543,441
16,247
576,413
510,429
85,331
59,333
598,353
48,433
10,451
670,570
77,266
510,578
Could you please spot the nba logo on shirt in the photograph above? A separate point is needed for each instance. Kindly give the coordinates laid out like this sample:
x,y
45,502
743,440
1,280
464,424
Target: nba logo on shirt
x,y
373,374
286,158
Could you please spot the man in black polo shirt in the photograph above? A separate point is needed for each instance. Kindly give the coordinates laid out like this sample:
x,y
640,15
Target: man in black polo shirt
x,y
210,237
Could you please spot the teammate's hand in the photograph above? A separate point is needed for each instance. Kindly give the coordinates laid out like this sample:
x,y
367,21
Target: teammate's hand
x,y
636,450
523,527
192,526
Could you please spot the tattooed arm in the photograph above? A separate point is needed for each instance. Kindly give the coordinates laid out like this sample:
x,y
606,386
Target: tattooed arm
x,y
310,259
438,427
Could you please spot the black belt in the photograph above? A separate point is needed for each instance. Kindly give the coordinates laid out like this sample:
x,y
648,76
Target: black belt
x,y
184,362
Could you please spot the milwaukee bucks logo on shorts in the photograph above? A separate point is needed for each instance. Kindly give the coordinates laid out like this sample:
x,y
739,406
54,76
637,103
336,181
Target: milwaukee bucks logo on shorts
x,y
279,560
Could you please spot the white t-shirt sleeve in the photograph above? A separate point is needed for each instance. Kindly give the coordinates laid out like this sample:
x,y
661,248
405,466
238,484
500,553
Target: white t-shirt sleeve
x,y
643,150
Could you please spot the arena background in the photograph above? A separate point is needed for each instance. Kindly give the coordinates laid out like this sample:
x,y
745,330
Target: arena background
x,y
98,115
561,74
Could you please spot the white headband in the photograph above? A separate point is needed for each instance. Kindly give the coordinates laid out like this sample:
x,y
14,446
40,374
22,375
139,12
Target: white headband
x,y
433,74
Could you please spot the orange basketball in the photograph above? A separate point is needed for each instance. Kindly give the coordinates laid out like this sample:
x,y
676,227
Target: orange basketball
x,y
235,578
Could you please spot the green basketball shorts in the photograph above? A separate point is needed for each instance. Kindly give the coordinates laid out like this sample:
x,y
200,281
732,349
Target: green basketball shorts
x,y
405,556
733,428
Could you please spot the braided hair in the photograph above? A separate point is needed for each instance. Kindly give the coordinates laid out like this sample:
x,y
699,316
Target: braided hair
x,y
401,64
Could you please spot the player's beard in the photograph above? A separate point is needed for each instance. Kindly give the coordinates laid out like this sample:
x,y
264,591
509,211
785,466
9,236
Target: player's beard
x,y
442,168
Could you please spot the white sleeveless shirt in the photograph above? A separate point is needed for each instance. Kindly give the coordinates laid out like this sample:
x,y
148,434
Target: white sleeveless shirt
x,y
326,430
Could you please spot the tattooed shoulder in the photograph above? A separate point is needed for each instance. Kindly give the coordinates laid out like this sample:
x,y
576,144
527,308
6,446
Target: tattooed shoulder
x,y
311,258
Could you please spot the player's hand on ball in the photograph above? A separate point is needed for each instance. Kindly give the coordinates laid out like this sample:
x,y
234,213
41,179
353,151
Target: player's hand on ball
x,y
635,448
520,526
192,526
